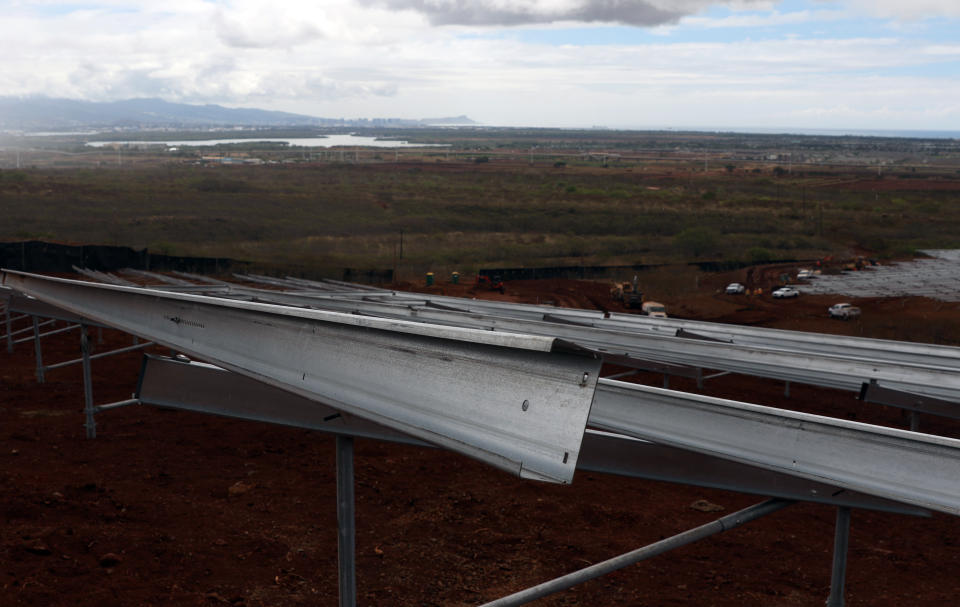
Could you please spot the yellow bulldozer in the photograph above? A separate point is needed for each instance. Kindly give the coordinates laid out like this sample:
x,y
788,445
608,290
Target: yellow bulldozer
x,y
627,293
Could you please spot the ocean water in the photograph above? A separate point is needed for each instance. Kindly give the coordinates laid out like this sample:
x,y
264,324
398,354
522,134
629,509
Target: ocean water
x,y
911,134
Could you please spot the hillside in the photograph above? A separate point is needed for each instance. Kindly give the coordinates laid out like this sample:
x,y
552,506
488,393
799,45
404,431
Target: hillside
x,y
31,114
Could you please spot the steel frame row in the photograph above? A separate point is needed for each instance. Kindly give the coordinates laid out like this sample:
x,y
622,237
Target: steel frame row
x,y
523,400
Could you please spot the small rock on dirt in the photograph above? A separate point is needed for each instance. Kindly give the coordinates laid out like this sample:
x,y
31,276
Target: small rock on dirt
x,y
239,488
705,506
110,559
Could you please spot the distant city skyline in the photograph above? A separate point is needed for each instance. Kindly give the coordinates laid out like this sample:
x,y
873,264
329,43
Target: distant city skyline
x,y
660,64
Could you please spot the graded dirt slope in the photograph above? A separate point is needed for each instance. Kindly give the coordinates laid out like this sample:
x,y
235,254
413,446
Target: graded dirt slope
x,y
175,508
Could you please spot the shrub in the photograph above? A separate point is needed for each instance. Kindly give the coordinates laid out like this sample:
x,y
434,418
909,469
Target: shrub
x,y
221,184
696,241
760,255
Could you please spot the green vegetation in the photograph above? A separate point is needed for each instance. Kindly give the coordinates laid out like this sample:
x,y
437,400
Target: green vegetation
x,y
460,210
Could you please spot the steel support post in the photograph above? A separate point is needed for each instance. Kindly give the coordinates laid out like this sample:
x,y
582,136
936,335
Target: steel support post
x,y
91,424
594,571
786,389
9,334
914,421
346,532
37,349
841,540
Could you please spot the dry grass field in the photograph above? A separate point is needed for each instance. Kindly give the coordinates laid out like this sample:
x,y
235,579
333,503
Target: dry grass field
x,y
499,198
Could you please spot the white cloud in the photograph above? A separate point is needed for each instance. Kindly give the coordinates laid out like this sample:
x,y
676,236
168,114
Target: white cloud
x,y
526,12
908,10
770,19
369,58
264,28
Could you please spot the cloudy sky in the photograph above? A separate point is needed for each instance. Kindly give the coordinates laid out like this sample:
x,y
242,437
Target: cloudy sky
x,y
844,64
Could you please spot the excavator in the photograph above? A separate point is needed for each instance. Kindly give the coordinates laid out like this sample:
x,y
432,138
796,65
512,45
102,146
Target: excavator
x,y
628,293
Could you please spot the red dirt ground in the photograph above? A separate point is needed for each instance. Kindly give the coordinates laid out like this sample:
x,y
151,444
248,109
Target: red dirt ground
x,y
176,508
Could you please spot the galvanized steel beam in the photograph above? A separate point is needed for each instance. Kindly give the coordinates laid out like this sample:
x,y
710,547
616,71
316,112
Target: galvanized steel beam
x,y
161,278
206,388
517,402
797,341
34,307
104,277
197,386
833,371
918,469
872,392
819,343
294,341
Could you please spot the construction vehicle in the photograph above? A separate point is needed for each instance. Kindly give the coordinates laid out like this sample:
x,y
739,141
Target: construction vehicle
x,y
627,293
856,265
494,283
654,309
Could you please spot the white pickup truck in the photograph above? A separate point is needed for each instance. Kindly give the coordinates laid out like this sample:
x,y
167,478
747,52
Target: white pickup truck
x,y
654,309
844,311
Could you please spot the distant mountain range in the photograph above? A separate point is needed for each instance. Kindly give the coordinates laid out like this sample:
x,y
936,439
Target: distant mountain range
x,y
32,114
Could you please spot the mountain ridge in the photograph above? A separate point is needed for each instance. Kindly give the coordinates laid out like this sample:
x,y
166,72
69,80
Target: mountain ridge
x,y
31,114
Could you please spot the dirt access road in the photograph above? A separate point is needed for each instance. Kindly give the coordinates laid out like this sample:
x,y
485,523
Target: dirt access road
x,y
175,508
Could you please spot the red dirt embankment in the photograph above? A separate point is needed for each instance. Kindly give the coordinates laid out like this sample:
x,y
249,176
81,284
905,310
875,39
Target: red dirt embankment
x,y
176,508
